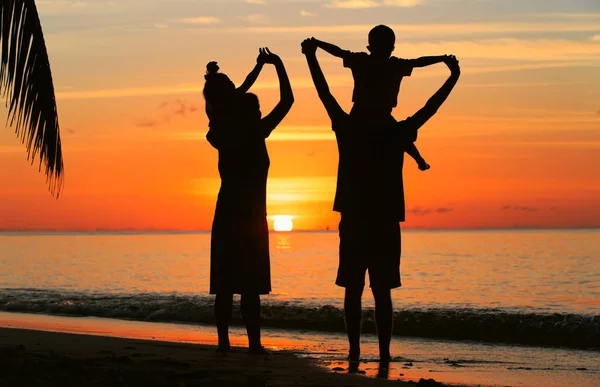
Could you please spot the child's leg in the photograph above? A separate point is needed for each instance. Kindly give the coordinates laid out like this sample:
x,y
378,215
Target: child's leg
x,y
223,307
250,305
412,150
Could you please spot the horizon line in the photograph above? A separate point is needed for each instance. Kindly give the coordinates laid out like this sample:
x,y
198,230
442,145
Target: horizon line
x,y
181,231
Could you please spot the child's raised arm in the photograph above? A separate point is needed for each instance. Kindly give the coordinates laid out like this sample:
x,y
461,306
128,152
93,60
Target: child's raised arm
x,y
427,60
331,48
251,78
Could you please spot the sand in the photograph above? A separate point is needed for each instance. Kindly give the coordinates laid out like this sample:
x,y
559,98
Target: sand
x,y
40,358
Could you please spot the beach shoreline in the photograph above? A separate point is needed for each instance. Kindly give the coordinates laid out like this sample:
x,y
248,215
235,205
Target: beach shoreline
x,y
448,362
43,358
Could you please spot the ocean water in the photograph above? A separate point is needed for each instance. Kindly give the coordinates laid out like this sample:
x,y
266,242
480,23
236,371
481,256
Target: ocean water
x,y
528,287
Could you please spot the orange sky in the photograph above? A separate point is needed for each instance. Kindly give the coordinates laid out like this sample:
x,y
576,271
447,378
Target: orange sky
x,y
516,145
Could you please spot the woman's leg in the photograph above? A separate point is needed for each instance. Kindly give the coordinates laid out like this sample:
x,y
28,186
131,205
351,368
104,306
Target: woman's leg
x,y
223,308
251,315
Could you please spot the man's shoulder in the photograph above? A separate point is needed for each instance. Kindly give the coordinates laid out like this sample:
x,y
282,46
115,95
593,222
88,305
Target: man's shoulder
x,y
340,122
407,124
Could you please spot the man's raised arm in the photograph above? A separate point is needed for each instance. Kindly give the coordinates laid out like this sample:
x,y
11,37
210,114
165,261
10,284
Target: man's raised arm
x,y
309,47
440,96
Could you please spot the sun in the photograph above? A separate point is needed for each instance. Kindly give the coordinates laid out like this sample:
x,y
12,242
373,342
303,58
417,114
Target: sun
x,y
283,223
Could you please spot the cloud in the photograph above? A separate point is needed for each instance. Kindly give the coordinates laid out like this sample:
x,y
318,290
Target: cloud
x,y
303,133
200,20
359,4
402,3
520,208
419,211
260,2
596,38
182,108
569,15
72,7
170,109
128,92
161,25
255,18
352,4
147,123
437,30
307,14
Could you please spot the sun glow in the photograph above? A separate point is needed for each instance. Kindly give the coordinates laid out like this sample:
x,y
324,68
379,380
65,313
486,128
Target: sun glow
x,y
283,223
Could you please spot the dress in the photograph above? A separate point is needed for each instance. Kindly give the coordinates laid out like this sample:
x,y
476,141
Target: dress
x,y
239,257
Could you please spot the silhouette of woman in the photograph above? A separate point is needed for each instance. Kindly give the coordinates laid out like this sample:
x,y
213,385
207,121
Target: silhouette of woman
x,y
240,262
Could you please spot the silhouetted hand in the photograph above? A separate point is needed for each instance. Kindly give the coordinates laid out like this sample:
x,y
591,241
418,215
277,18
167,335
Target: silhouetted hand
x,y
452,64
261,59
309,46
269,56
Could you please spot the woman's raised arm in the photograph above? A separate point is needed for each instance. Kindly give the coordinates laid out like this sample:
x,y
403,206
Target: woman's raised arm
x,y
253,75
286,96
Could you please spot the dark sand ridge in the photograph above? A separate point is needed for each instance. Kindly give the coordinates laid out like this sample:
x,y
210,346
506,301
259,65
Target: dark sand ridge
x,y
38,358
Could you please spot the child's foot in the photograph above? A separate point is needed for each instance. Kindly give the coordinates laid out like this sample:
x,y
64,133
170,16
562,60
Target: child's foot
x,y
423,166
223,348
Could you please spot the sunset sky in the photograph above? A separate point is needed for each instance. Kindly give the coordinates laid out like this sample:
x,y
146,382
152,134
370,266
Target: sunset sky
x,y
517,144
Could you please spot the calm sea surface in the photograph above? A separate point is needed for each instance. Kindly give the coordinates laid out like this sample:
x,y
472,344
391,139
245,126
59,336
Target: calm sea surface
x,y
518,271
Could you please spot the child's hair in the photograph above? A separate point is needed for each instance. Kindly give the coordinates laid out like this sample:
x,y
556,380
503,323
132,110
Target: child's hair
x,y
382,39
218,88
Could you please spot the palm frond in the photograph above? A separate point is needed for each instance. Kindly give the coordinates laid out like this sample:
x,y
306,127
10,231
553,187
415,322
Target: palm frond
x,y
26,83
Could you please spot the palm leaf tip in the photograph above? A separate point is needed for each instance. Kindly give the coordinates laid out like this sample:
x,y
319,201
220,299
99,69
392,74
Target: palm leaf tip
x,y
26,83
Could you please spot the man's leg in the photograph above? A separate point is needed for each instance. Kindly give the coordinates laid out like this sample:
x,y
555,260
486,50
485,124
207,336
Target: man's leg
x,y
353,316
351,276
384,273
223,307
384,315
250,306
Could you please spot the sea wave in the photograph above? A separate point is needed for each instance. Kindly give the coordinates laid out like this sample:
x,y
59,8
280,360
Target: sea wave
x,y
486,325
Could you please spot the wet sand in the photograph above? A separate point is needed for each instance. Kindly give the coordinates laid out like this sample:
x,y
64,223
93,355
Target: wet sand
x,y
39,358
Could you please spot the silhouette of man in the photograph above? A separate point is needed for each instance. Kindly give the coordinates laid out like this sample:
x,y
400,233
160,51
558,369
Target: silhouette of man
x,y
370,199
377,77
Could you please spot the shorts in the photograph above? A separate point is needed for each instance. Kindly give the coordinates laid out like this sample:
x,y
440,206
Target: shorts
x,y
370,244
